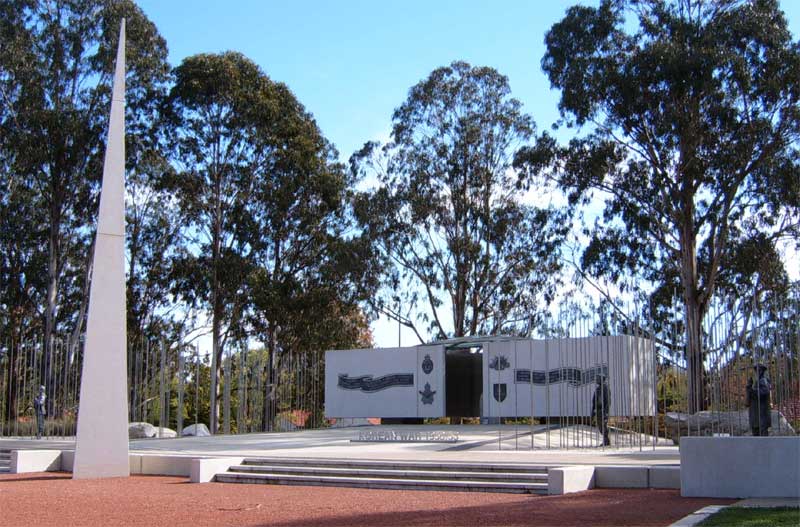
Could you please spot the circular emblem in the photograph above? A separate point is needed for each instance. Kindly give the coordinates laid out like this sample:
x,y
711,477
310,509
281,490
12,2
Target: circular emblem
x,y
427,364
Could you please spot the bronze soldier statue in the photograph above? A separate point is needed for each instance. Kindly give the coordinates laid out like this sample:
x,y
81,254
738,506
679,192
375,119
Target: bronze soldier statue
x,y
40,409
758,402
601,402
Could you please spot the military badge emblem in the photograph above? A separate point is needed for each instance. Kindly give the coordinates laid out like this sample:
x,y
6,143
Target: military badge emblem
x,y
427,365
427,394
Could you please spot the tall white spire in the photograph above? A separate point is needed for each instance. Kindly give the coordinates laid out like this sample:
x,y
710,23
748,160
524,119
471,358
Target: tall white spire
x,y
101,449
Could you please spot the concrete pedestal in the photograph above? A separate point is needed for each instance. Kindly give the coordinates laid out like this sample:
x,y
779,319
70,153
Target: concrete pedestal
x,y
740,467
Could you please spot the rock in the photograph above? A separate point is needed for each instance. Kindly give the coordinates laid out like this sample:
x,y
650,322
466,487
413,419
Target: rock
x,y
708,423
165,433
199,430
141,430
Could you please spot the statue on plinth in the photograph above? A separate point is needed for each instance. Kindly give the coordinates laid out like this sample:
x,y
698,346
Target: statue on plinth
x,y
40,409
758,402
601,402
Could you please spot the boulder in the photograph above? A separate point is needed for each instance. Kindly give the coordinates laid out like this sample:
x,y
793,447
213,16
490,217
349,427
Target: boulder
x,y
708,423
141,430
199,430
166,433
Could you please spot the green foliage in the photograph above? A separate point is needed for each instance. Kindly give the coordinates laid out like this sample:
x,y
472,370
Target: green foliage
x,y
753,517
265,208
693,124
671,390
56,64
452,230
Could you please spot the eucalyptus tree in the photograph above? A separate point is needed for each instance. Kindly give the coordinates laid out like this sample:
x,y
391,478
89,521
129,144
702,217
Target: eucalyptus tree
x,y
155,241
265,209
691,119
447,209
213,112
56,66
314,268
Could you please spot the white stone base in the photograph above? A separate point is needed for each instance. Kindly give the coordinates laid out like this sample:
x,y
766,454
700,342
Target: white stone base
x,y
204,470
740,467
35,461
565,480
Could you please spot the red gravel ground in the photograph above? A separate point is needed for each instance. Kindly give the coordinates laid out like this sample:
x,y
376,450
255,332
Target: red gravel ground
x,y
55,499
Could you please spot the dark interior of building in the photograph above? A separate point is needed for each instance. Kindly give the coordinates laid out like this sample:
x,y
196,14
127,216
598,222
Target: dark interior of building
x,y
463,382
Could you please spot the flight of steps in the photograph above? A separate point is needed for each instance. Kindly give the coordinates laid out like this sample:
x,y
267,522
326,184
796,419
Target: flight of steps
x,y
374,474
5,461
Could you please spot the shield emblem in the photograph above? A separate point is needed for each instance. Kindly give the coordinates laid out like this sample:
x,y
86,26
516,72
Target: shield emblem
x,y
500,390
427,365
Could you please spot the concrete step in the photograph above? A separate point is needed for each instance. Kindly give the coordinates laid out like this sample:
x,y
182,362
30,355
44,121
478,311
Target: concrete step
x,y
384,483
394,473
517,468
5,461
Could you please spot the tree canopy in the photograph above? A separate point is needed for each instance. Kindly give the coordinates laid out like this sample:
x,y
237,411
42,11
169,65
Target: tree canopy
x,y
265,206
56,65
452,229
692,120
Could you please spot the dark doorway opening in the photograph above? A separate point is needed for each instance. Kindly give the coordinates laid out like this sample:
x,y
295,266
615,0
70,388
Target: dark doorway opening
x,y
463,382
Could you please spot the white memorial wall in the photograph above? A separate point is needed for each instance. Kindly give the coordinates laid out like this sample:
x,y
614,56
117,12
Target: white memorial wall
x,y
385,382
520,378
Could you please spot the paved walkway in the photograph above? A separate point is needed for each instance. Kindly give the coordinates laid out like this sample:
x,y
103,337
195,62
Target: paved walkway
x,y
476,443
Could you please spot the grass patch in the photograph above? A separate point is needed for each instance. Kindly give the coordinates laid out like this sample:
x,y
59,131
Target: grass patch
x,y
754,517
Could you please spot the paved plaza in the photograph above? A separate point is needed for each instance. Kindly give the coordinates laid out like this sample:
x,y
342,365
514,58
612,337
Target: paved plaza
x,y
476,443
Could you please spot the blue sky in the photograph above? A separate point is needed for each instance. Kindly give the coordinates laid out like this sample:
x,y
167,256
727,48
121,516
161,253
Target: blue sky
x,y
351,63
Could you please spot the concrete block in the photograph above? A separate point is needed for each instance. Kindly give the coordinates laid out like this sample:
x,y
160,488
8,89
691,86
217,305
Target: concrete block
x,y
740,467
67,460
662,477
565,480
35,461
204,470
166,465
622,477
135,463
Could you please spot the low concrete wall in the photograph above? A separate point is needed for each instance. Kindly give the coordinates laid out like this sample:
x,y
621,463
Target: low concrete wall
x,y
204,470
637,477
35,461
665,477
165,465
199,470
565,480
622,477
67,460
740,467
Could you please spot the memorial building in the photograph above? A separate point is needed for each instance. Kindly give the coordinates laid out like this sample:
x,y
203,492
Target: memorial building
x,y
492,378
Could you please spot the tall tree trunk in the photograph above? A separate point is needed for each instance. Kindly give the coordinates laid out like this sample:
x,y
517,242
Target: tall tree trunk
x,y
53,276
697,399
13,358
216,308
692,306
271,387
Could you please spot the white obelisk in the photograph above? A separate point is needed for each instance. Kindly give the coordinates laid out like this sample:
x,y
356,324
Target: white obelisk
x,y
101,449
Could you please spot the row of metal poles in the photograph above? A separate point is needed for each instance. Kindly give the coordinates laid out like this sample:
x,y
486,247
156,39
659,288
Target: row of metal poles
x,y
169,387
170,383
27,365
650,402
559,413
